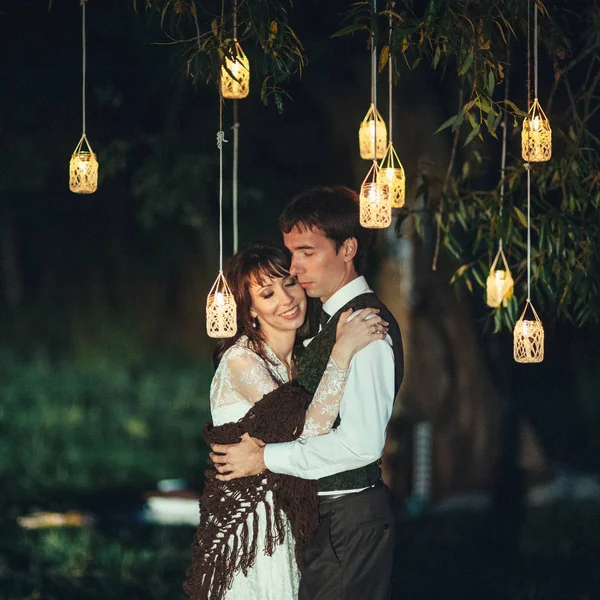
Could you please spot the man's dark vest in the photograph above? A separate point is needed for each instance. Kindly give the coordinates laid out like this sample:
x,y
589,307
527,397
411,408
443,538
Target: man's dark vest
x,y
312,366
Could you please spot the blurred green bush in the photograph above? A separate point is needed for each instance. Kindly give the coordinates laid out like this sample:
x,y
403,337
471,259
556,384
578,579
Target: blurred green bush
x,y
87,425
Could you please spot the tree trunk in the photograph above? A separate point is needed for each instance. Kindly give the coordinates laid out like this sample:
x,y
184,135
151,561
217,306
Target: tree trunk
x,y
446,382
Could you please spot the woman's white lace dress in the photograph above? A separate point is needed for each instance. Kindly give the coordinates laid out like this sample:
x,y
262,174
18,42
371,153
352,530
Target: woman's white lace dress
x,y
242,378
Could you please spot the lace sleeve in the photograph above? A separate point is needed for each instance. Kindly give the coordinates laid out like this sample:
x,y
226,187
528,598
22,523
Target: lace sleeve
x,y
242,376
325,404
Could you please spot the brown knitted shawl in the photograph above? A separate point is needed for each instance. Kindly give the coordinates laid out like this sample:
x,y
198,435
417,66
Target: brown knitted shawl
x,y
226,540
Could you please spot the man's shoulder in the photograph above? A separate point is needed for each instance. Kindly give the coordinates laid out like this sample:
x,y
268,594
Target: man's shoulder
x,y
368,300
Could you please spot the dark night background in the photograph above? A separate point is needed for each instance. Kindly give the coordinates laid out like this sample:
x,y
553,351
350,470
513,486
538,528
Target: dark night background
x,y
104,358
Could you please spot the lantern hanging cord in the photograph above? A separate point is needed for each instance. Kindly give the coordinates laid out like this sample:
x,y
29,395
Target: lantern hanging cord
x,y
528,55
528,168
234,11
504,134
535,51
374,80
220,140
390,75
236,127
83,61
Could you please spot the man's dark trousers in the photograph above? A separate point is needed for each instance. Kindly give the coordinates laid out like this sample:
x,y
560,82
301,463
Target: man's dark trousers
x,y
351,555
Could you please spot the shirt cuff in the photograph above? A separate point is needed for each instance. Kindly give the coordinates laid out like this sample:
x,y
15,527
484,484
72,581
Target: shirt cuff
x,y
276,457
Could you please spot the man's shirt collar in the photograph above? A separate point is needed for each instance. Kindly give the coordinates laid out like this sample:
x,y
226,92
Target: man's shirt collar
x,y
344,295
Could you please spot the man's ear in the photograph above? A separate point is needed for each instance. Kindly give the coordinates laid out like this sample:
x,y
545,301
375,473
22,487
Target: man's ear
x,y
349,249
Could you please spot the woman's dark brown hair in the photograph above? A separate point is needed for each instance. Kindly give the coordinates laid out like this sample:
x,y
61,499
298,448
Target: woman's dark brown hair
x,y
252,264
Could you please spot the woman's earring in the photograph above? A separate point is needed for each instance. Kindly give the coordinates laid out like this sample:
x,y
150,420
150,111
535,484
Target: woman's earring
x,y
255,323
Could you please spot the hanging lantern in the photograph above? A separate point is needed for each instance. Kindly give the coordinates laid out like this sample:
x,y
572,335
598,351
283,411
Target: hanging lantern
x,y
528,338
235,74
83,169
392,173
536,139
372,125
499,285
221,312
83,166
375,207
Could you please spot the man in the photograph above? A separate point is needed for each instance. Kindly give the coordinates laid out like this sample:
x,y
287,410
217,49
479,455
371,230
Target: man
x,y
351,554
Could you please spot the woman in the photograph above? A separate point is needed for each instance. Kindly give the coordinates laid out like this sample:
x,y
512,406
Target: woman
x,y
251,530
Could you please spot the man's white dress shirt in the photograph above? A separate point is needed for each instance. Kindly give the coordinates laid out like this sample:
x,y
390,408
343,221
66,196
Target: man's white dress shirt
x,y
365,410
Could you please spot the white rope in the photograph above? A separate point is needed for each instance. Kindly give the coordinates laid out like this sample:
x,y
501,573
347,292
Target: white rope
x,y
220,140
374,81
390,76
504,137
236,127
234,10
528,167
83,61
535,51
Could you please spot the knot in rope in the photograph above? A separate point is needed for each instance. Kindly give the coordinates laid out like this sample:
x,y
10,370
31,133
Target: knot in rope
x,y
220,139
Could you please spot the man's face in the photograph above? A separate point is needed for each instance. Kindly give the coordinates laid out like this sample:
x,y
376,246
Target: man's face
x,y
321,270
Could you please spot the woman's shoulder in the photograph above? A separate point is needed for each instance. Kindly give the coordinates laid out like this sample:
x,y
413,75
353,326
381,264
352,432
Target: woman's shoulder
x,y
239,353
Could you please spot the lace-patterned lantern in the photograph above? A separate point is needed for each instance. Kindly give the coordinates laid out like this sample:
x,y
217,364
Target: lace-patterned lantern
x,y
536,138
235,74
392,173
83,169
221,311
528,338
372,125
375,207
500,284
83,166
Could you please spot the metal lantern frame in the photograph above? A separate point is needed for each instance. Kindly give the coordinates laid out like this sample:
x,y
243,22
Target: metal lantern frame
x,y
372,125
528,337
235,74
375,207
536,137
83,168
221,310
499,284
391,172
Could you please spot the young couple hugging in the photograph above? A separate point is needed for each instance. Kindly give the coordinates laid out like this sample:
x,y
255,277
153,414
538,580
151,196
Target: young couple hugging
x,y
294,506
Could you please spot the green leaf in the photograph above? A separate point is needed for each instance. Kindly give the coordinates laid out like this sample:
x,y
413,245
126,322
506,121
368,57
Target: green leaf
x,y
478,277
436,57
484,104
349,29
466,64
471,120
491,83
447,123
471,136
263,90
522,218
515,108
466,168
384,57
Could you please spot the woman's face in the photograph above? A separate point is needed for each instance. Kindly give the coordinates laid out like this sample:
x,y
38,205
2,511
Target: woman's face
x,y
279,303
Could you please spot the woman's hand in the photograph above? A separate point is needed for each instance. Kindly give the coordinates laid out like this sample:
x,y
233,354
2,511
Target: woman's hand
x,y
356,332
